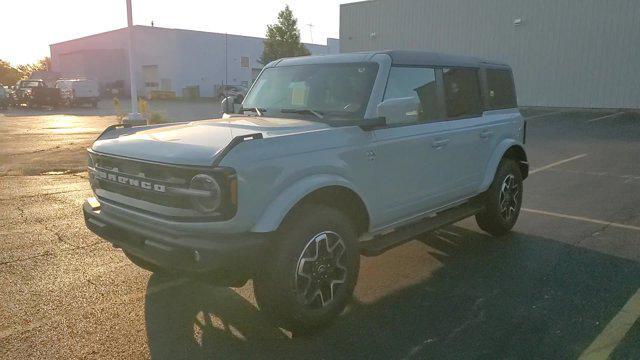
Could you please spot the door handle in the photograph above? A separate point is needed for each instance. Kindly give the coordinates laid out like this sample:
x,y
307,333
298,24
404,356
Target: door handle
x,y
439,144
486,134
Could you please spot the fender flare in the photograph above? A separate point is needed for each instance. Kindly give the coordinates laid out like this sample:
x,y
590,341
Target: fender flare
x,y
498,153
279,207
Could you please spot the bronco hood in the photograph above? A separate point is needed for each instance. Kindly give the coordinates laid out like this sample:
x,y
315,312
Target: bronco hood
x,y
194,143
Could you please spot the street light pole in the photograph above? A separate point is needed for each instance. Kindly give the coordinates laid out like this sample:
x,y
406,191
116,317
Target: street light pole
x,y
134,118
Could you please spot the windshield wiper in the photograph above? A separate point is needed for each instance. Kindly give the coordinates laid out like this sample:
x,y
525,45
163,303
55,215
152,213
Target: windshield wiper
x,y
318,114
256,110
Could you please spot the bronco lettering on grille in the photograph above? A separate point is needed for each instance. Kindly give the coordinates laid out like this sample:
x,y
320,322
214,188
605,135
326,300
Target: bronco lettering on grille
x,y
125,180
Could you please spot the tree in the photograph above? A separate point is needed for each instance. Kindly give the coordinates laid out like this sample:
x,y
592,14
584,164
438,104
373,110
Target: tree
x,y
283,38
26,70
8,74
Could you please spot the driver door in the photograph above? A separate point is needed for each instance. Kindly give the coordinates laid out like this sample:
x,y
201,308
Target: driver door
x,y
410,152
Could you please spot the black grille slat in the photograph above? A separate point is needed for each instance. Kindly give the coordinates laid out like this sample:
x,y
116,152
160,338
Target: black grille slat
x,y
171,176
177,176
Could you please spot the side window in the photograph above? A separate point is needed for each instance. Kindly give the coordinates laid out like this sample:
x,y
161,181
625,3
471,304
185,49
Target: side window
x,y
414,89
462,92
500,86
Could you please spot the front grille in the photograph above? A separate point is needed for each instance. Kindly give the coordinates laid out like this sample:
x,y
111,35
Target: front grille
x,y
158,183
168,175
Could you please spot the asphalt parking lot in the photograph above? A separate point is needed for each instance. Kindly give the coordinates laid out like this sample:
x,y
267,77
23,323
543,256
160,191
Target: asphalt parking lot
x,y
564,284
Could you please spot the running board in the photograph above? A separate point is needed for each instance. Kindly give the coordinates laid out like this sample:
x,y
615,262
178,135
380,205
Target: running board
x,y
382,243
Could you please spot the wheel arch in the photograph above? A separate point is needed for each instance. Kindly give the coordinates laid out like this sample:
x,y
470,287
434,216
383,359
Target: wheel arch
x,y
331,190
507,149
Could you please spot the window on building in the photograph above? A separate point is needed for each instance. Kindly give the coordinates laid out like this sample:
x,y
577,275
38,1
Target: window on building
x,y
417,85
462,92
501,93
244,61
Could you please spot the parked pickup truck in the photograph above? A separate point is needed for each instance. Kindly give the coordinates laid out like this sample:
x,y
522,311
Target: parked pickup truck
x,y
36,93
329,157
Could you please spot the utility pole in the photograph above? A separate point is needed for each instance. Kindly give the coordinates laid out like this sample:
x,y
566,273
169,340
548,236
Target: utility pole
x,y
134,118
310,25
226,57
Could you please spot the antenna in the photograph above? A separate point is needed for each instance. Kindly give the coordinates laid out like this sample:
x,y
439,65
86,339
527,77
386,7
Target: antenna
x,y
310,25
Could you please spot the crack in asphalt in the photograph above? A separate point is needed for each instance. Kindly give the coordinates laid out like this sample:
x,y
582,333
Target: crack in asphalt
x,y
59,237
35,151
481,316
44,194
604,227
13,330
50,253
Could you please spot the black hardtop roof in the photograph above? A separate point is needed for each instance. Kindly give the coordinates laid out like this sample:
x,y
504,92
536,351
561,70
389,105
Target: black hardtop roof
x,y
417,57
398,57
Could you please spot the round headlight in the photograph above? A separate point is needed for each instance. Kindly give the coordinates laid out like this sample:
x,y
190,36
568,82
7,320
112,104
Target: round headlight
x,y
208,203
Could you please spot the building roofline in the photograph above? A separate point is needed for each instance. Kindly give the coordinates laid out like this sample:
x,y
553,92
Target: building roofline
x,y
357,2
170,29
89,36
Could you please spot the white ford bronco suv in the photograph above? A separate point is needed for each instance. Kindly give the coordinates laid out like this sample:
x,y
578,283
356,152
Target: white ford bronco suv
x,y
328,158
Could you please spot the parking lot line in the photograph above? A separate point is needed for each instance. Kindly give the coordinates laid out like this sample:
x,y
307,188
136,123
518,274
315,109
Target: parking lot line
x,y
557,163
615,331
606,116
543,115
580,218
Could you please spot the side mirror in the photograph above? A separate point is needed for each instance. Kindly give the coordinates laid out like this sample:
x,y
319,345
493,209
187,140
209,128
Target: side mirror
x,y
400,110
373,123
228,105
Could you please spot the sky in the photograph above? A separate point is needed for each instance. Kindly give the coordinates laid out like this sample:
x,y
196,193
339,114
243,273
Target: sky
x,y
45,22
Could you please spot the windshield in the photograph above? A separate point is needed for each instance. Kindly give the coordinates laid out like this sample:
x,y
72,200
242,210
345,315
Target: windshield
x,y
336,91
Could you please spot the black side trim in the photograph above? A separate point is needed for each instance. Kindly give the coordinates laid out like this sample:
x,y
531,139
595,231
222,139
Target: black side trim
x,y
382,243
235,141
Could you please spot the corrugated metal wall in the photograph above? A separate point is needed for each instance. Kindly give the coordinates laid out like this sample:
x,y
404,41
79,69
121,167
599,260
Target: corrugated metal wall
x,y
566,53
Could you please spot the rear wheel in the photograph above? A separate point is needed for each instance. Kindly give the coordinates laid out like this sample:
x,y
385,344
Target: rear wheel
x,y
502,200
312,269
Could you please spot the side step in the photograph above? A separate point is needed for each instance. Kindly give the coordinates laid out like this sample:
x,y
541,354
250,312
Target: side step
x,y
382,243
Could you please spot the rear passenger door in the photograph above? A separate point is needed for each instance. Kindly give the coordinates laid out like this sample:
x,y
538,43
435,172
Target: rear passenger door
x,y
466,132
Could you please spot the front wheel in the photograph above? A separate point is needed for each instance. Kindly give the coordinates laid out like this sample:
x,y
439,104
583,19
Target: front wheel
x,y
502,200
311,270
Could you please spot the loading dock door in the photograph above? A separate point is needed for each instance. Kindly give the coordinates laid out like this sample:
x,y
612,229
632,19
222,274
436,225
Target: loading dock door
x,y
150,78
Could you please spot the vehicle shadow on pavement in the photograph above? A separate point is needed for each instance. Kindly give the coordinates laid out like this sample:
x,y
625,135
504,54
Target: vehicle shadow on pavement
x,y
519,297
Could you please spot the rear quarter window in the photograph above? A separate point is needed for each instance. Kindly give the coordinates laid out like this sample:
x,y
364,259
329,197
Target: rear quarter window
x,y
501,93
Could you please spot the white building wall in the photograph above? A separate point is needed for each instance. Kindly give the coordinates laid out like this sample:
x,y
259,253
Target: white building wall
x,y
187,58
569,53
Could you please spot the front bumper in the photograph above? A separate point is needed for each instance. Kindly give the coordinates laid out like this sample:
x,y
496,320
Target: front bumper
x,y
230,257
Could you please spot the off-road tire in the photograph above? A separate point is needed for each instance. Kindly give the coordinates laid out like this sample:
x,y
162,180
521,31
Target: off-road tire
x,y
494,219
279,284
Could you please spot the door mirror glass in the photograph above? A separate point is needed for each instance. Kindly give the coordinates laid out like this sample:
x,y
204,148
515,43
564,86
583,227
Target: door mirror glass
x,y
227,105
399,111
